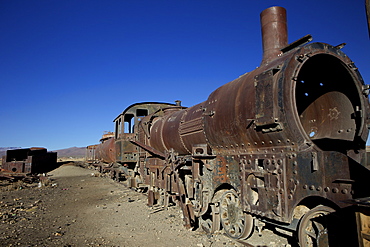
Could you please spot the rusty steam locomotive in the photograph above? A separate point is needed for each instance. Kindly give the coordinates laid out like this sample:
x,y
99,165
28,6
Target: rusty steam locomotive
x,y
282,145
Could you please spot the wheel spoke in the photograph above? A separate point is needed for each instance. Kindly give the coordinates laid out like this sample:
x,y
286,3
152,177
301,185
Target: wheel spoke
x,y
235,223
311,234
317,227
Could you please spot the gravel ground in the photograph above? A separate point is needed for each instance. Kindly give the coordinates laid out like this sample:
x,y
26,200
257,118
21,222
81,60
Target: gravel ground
x,y
77,207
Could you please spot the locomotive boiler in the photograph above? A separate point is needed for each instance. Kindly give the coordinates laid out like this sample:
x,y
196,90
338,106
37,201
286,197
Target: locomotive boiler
x,y
282,145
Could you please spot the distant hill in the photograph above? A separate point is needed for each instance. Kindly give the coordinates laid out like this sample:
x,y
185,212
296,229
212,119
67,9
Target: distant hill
x,y
3,150
75,152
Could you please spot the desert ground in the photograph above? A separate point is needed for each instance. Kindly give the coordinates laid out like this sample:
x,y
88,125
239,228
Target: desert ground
x,y
76,206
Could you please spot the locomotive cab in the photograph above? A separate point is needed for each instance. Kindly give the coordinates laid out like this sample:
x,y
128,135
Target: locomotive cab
x,y
126,129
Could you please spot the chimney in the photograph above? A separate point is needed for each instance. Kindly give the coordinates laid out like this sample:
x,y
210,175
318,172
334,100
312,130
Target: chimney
x,y
274,33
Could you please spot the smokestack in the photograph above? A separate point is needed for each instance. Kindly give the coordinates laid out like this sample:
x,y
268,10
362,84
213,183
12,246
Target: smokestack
x,y
274,33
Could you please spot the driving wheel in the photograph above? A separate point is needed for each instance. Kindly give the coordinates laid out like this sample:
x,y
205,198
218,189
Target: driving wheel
x,y
235,222
313,227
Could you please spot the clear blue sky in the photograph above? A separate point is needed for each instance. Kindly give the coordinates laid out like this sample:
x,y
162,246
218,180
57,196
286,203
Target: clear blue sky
x,y
69,67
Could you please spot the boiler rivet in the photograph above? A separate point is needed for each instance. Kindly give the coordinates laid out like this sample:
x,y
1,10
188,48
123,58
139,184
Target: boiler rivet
x,y
335,190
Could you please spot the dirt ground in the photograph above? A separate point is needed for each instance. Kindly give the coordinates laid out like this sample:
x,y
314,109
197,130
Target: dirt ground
x,y
76,206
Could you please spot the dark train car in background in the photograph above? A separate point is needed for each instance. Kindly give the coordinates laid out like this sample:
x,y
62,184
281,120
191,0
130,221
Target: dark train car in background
x,y
29,160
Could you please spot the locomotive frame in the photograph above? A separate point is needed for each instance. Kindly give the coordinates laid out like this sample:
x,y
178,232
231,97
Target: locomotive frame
x,y
283,145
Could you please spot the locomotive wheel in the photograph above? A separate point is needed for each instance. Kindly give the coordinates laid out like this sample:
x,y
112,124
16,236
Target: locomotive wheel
x,y
313,227
236,223
212,224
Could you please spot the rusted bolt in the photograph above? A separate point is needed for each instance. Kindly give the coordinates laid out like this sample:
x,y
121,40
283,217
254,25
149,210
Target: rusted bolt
x,y
290,197
335,190
327,189
319,188
312,187
295,172
295,163
344,191
280,171
305,186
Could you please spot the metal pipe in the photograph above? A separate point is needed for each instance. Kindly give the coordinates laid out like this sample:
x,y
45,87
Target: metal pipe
x,y
274,33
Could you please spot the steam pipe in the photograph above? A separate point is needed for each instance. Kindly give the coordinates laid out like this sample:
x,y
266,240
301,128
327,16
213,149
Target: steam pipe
x,y
274,33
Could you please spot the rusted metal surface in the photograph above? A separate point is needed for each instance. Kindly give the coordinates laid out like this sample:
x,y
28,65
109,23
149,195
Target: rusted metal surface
x,y
283,144
287,133
90,153
29,160
127,124
106,151
274,33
